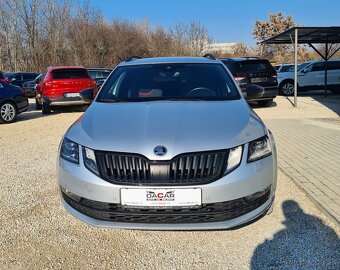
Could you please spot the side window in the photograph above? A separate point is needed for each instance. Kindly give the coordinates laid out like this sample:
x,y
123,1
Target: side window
x,y
18,77
27,77
318,66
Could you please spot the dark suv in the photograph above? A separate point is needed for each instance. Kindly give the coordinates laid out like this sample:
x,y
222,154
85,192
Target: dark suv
x,y
251,70
20,78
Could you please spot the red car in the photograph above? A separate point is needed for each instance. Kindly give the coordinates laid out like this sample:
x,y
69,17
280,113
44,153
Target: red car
x,y
60,86
2,78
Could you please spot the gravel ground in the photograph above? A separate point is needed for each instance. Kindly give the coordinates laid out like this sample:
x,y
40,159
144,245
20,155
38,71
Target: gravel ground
x,y
37,233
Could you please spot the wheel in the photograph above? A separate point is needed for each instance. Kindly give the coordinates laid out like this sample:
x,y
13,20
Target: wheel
x,y
46,108
8,112
287,88
265,102
37,104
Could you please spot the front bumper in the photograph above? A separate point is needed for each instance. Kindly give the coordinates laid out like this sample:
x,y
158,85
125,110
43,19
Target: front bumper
x,y
247,179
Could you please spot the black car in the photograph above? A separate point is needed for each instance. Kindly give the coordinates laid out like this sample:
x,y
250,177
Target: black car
x,y
29,87
19,78
12,102
99,75
252,70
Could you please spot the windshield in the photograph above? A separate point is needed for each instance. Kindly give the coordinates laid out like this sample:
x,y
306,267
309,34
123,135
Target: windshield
x,y
60,74
246,67
169,82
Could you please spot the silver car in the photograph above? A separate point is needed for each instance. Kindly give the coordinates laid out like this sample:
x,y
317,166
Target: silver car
x,y
168,144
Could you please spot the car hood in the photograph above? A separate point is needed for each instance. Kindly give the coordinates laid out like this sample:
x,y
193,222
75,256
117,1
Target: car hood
x,y
187,126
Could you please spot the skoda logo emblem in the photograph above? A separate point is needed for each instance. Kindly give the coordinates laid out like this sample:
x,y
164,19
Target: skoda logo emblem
x,y
160,150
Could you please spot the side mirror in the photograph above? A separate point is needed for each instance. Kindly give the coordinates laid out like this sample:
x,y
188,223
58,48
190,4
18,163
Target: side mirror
x,y
13,80
87,95
254,91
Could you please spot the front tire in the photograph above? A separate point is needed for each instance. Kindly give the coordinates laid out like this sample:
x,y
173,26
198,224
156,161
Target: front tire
x,y
8,112
287,88
265,103
46,108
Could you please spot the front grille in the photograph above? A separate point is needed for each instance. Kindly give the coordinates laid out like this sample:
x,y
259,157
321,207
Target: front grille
x,y
210,212
184,169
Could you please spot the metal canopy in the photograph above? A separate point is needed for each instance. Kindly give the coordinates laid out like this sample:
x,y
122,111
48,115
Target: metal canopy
x,y
308,35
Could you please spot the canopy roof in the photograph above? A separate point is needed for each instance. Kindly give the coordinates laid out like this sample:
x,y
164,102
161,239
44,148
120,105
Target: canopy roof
x,y
307,35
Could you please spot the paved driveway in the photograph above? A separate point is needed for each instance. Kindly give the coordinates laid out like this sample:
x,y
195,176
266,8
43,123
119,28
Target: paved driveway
x,y
37,233
308,139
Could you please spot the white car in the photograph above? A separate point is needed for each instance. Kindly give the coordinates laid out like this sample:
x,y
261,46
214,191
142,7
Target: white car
x,y
286,68
311,76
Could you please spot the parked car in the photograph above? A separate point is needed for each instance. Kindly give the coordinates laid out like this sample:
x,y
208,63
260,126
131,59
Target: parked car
x,y
19,78
60,86
12,102
259,71
2,78
168,143
311,76
29,87
99,75
286,68
277,67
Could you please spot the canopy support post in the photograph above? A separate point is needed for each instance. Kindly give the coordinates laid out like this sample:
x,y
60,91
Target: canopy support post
x,y
295,67
326,62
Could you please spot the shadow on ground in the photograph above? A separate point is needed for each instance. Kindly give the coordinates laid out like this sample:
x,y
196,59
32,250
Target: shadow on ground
x,y
305,243
33,113
255,105
329,100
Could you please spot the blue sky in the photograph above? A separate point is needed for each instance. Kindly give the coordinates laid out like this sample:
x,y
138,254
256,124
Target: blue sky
x,y
227,21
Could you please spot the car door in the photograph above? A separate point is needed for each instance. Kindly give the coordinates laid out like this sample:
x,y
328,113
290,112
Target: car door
x,y
312,76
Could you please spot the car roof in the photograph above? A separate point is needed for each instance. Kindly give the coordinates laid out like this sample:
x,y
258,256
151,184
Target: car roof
x,y
99,68
22,72
170,60
243,59
321,60
65,67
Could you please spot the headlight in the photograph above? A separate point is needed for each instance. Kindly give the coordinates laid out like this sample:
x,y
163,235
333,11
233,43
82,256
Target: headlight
x,y
90,160
69,150
259,148
234,158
